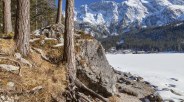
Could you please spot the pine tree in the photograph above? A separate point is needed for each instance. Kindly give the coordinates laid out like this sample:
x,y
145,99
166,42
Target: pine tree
x,y
1,17
22,28
69,51
7,22
43,13
59,12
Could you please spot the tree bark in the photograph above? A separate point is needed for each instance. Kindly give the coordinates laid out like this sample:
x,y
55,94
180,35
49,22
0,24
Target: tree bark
x,y
22,28
7,22
69,51
36,11
59,12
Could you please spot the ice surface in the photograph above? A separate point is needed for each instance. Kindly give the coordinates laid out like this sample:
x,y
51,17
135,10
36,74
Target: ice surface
x,y
165,71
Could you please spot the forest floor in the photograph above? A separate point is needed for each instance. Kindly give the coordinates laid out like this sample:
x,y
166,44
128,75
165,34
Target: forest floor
x,y
34,80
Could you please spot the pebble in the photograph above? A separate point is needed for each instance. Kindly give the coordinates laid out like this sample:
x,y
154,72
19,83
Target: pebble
x,y
11,85
2,97
172,85
174,79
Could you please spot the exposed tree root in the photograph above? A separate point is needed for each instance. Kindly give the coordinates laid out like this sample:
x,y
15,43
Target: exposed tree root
x,y
9,68
43,56
72,94
3,54
80,85
6,58
22,60
83,98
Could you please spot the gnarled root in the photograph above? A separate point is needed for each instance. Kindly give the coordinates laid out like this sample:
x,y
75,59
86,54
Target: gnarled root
x,y
80,85
72,94
43,56
6,58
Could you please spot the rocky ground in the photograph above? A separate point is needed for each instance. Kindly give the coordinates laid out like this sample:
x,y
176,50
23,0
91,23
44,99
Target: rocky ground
x,y
41,76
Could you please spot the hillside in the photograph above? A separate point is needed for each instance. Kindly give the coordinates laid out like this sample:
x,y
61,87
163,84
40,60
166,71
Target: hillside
x,y
165,38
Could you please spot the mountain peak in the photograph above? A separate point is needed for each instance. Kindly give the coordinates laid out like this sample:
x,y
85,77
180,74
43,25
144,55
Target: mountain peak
x,y
116,18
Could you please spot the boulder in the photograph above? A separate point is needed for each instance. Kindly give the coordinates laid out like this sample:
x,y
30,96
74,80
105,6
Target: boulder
x,y
93,68
52,31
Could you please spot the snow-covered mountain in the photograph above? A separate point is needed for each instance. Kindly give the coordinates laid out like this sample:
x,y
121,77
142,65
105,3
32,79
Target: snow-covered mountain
x,y
107,18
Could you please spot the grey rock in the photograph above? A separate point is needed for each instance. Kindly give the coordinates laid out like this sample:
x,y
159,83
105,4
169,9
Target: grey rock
x,y
157,97
147,83
125,81
174,79
154,98
175,92
166,89
146,100
128,91
52,31
2,97
95,73
172,85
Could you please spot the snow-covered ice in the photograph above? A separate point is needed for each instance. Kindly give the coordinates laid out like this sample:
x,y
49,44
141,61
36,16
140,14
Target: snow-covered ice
x,y
165,71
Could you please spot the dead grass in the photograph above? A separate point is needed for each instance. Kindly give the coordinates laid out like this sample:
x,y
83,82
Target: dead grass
x,y
83,35
52,77
47,44
7,36
7,46
113,99
54,54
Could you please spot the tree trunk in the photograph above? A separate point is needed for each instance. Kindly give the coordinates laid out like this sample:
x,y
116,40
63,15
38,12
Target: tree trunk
x,y
22,28
69,51
69,56
59,12
36,11
7,23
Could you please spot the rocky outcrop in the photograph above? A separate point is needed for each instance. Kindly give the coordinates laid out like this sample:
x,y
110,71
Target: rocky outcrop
x,y
52,31
95,72
93,68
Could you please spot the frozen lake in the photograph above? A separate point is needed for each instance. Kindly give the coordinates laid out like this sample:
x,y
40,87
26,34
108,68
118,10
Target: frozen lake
x,y
163,70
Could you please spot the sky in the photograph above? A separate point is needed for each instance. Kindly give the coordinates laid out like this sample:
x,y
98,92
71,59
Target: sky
x,y
78,3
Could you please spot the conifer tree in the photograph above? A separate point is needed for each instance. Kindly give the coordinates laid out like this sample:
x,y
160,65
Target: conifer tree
x,y
7,22
22,28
